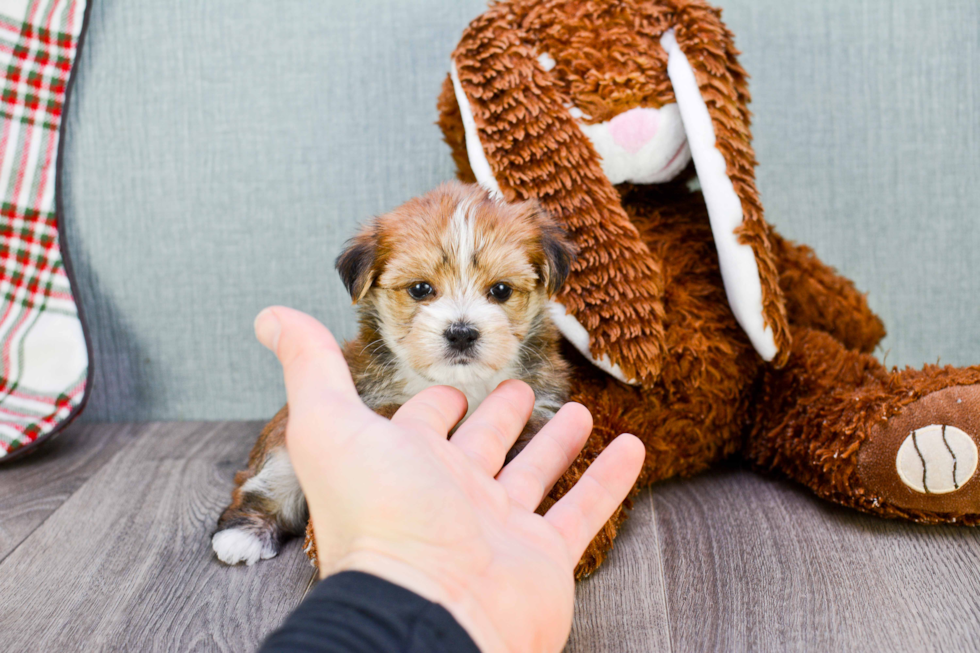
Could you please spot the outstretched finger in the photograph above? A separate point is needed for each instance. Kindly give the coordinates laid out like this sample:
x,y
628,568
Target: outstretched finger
x,y
432,412
313,365
531,474
487,435
580,514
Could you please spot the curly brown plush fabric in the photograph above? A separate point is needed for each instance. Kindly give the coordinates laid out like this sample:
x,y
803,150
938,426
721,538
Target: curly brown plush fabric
x,y
648,288
529,137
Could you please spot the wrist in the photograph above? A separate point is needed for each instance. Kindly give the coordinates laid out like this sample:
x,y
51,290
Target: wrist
x,y
454,597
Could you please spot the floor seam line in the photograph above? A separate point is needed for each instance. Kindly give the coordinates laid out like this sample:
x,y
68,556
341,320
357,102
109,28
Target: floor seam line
x,y
663,576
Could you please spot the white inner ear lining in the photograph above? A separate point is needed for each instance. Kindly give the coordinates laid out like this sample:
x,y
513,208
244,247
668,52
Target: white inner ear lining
x,y
474,148
578,336
739,269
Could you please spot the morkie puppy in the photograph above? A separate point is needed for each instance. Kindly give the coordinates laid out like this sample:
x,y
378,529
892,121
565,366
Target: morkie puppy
x,y
451,289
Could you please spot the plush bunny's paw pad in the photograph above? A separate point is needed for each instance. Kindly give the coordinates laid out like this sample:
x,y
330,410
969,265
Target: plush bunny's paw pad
x,y
234,545
936,459
925,458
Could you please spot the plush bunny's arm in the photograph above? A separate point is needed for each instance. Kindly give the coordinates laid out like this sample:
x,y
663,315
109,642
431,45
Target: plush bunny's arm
x,y
523,143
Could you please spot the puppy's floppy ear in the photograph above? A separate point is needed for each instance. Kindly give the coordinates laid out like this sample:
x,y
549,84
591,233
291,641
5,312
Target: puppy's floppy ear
x,y
356,263
554,261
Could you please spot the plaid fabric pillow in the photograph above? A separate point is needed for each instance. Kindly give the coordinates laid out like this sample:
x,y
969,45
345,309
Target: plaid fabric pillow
x,y
44,359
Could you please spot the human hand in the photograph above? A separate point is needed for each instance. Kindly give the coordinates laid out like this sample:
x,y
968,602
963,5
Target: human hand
x,y
397,499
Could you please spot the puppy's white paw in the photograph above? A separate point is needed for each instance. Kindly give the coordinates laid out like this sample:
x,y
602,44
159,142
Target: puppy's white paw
x,y
235,545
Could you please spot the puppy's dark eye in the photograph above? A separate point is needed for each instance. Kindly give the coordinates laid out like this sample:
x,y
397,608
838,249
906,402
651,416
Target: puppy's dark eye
x,y
501,292
420,291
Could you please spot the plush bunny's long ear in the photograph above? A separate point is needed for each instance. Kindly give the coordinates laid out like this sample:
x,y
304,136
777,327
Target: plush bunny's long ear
x,y
522,143
712,96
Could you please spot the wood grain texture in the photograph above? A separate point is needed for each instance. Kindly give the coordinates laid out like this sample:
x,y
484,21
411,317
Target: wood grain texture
x,y
753,564
115,523
33,487
126,564
622,608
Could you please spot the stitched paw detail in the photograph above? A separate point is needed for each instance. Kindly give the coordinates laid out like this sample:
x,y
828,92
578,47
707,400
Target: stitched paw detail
x,y
936,459
921,463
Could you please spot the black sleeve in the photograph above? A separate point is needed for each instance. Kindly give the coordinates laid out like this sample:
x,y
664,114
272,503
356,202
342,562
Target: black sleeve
x,y
354,612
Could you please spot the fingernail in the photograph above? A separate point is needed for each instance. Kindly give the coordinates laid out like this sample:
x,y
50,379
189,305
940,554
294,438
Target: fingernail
x,y
267,329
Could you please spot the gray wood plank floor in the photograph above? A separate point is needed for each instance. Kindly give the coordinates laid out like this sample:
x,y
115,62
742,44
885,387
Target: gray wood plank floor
x,y
125,563
104,545
34,487
756,564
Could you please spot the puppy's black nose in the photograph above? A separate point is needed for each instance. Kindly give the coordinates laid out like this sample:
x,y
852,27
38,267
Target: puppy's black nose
x,y
461,336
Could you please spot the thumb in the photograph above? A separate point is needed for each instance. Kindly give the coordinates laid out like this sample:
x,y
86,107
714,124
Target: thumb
x,y
313,366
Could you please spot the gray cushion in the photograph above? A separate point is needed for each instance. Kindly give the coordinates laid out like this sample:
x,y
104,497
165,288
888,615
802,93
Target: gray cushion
x,y
219,153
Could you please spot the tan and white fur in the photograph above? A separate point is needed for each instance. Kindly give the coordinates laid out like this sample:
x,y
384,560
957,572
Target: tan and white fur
x,y
451,288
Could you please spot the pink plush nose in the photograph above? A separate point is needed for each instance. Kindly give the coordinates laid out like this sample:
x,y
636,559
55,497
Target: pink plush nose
x,y
634,129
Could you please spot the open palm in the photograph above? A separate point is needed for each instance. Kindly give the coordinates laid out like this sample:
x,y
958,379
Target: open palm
x,y
440,515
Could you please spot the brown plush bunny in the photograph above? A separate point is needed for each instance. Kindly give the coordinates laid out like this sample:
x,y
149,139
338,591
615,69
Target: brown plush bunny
x,y
695,326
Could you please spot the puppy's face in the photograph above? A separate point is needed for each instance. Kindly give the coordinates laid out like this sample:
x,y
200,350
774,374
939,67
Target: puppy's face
x,y
456,281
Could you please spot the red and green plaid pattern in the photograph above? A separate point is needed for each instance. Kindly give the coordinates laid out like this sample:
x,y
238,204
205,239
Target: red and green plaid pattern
x,y
43,359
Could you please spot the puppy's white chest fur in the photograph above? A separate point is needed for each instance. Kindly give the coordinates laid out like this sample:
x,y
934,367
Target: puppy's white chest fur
x,y
475,386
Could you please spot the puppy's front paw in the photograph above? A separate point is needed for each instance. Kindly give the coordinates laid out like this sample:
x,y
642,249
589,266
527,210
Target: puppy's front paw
x,y
234,545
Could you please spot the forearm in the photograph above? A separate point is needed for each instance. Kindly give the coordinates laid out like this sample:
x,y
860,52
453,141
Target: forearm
x,y
353,612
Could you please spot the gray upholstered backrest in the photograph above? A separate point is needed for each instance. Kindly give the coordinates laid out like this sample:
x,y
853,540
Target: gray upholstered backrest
x,y
219,153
